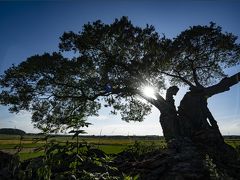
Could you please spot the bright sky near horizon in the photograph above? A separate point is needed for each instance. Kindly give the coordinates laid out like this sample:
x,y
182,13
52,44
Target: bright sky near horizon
x,y
34,27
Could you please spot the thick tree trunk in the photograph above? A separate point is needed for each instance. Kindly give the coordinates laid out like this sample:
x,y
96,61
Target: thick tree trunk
x,y
169,117
193,122
197,124
193,136
169,123
193,115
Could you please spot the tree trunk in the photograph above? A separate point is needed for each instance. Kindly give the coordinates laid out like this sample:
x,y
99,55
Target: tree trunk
x,y
194,125
193,115
169,122
169,117
197,124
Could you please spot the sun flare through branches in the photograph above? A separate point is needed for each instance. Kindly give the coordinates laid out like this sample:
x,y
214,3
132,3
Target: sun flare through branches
x,y
149,91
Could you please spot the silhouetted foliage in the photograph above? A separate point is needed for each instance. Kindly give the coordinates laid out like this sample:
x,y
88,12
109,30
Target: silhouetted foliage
x,y
200,54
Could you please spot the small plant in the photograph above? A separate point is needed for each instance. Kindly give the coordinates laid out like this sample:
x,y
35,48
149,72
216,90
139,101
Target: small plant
x,y
19,146
215,173
76,123
238,149
139,149
128,177
212,168
236,146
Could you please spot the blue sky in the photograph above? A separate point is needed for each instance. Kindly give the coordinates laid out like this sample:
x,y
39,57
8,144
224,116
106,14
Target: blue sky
x,y
34,27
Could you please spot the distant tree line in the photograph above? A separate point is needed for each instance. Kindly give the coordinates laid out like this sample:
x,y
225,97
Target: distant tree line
x,y
12,131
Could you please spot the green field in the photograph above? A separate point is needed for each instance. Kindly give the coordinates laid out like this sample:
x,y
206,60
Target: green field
x,y
109,145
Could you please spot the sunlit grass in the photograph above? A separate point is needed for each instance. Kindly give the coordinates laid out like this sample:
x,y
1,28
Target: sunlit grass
x,y
233,142
28,155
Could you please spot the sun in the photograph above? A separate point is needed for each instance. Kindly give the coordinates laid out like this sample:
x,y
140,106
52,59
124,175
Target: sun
x,y
149,92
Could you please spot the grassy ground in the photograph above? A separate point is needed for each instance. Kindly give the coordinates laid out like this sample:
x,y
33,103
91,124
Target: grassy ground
x,y
233,142
109,145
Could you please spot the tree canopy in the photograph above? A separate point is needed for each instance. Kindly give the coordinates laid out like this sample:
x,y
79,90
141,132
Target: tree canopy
x,y
200,54
110,65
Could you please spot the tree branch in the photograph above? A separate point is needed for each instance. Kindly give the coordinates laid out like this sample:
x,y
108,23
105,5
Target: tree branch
x,y
195,77
223,85
179,77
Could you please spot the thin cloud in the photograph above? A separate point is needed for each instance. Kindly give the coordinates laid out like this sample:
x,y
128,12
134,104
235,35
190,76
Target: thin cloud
x,y
12,121
230,128
100,117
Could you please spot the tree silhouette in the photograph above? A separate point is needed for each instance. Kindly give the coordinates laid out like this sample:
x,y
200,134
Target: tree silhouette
x,y
110,64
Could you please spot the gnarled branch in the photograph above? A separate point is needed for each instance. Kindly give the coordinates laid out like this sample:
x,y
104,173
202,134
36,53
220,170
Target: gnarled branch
x,y
223,85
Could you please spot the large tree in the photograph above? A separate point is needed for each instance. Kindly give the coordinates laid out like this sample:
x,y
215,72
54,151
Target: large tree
x,y
110,64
